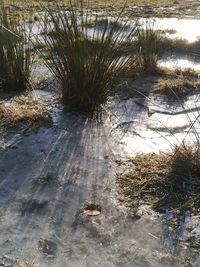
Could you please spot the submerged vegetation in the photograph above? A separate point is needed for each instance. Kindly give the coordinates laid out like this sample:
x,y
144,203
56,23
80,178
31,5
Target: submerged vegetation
x,y
15,55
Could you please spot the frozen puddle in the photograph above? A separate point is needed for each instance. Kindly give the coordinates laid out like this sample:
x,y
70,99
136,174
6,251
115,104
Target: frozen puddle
x,y
185,28
52,175
158,126
180,62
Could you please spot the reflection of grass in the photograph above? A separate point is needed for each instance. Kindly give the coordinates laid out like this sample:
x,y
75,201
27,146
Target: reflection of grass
x,y
165,181
187,72
2,127
155,42
176,87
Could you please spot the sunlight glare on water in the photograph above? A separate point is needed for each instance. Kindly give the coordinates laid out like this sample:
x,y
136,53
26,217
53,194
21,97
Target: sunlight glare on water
x,y
185,28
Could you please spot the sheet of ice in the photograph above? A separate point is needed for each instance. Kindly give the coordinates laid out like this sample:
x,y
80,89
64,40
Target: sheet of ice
x,y
185,28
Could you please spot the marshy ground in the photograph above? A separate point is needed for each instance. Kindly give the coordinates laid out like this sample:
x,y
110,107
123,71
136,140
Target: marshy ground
x,y
72,192
163,8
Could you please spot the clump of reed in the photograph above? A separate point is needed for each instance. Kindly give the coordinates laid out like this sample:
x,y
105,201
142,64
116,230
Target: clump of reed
x,y
85,61
15,52
166,181
147,43
186,163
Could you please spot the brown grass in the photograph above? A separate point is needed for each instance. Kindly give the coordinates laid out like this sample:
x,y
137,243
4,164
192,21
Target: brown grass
x,y
186,163
176,87
118,2
145,8
18,109
166,181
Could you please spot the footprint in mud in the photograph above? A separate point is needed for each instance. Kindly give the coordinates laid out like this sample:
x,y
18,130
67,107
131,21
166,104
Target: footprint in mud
x,y
48,247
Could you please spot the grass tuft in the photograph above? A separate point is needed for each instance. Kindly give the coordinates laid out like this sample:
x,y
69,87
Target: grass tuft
x,y
85,62
165,181
15,55
186,163
147,45
176,87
